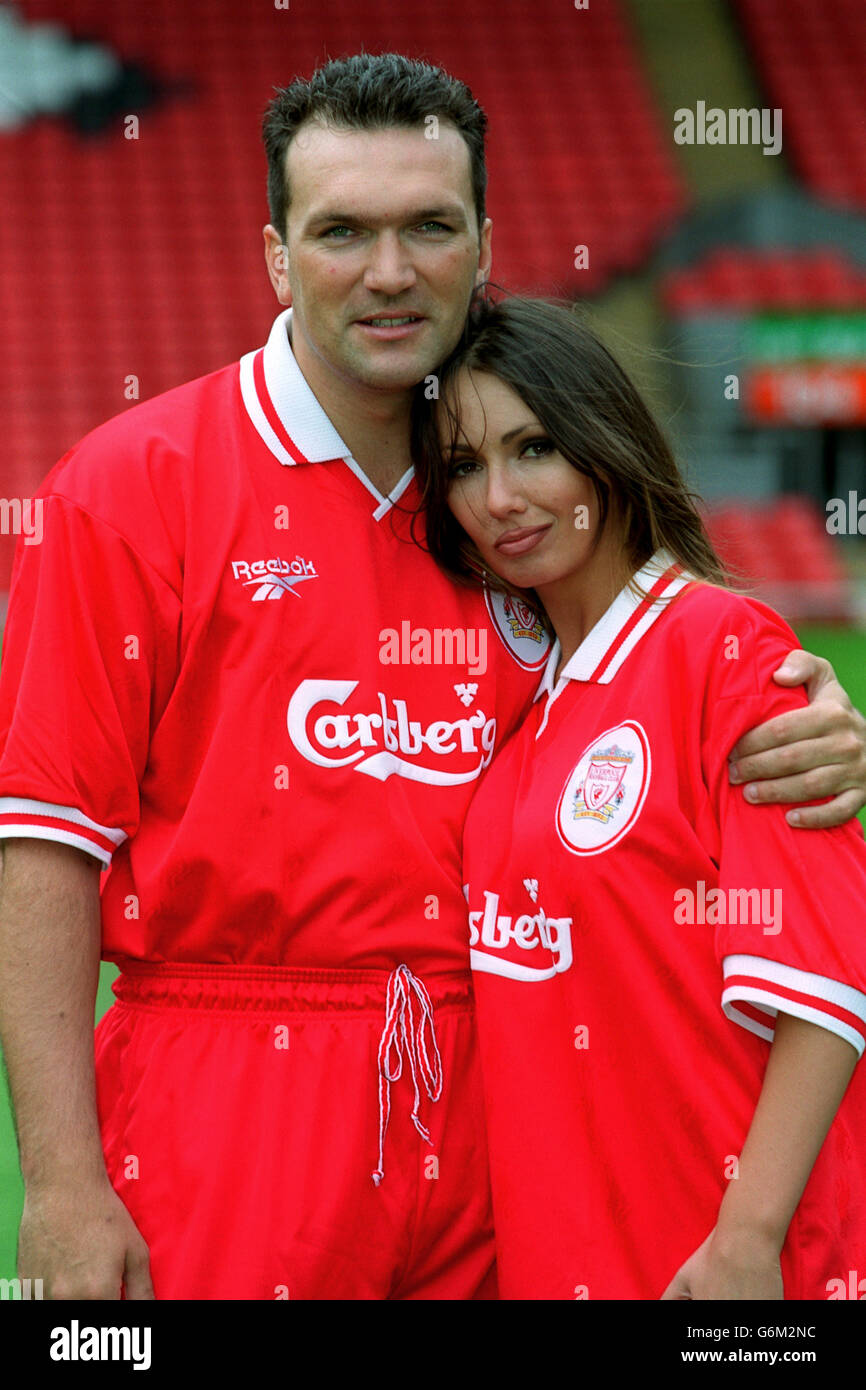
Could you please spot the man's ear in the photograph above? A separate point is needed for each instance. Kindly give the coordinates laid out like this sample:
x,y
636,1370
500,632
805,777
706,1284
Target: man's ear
x,y
485,253
277,261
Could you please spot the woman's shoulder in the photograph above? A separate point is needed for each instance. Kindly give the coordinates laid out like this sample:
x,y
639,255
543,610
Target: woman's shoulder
x,y
729,643
703,607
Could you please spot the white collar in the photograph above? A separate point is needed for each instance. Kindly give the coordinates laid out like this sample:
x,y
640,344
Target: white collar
x,y
288,417
282,405
618,631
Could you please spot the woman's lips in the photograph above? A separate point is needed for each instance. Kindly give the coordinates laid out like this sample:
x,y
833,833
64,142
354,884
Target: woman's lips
x,y
522,541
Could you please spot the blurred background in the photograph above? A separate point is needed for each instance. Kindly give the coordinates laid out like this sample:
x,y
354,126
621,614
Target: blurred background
x,y
694,171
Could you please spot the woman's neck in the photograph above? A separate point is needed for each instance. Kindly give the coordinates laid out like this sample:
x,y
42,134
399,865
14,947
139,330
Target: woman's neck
x,y
576,603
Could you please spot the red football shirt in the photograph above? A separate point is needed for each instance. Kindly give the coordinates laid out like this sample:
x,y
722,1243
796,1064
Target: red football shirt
x,y
635,925
230,674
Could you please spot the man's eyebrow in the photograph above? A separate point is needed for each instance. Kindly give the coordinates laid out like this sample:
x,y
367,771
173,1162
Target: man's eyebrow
x,y
452,211
319,217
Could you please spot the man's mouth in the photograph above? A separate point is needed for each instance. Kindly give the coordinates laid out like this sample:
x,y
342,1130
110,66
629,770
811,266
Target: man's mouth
x,y
391,321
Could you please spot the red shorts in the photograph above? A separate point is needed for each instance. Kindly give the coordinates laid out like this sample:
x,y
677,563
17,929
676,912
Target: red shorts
x,y
245,1111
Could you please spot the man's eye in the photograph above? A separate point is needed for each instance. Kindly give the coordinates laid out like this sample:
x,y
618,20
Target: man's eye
x,y
437,226
540,446
331,232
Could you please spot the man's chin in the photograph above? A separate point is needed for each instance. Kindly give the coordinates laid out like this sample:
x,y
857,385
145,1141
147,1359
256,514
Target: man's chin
x,y
393,376
398,365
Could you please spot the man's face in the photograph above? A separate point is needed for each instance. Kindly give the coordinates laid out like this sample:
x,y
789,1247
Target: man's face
x,y
381,229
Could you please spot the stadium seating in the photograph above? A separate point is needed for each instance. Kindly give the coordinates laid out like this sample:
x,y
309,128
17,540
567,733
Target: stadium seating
x,y
133,264
738,280
781,552
811,59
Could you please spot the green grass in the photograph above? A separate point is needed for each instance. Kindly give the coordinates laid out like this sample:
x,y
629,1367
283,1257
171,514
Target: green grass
x,y
845,649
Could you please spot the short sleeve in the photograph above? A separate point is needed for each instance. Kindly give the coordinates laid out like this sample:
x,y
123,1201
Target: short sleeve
x,y
790,920
89,660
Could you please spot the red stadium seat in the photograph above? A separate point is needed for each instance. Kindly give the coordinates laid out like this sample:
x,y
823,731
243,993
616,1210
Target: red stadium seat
x,y
811,59
782,552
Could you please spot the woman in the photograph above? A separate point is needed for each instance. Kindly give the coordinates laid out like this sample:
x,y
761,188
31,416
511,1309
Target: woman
x,y
666,1036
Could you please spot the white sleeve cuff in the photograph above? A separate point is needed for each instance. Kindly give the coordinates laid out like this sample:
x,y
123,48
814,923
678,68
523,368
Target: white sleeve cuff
x,y
21,818
756,990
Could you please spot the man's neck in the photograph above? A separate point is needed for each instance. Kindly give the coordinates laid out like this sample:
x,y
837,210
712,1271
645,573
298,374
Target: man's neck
x,y
374,424
376,430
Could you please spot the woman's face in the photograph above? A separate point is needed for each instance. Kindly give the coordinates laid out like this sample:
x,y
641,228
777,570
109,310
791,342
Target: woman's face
x,y
533,517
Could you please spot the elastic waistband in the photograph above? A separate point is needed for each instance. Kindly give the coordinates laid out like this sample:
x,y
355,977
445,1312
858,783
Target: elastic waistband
x,y
274,989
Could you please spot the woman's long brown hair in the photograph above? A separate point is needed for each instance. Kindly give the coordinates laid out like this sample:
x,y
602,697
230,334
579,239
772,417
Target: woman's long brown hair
x,y
593,414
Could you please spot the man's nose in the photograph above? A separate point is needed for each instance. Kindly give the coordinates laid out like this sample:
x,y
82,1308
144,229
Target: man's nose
x,y
389,269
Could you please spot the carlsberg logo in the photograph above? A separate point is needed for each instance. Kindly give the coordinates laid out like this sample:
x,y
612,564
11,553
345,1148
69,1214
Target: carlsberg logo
x,y
497,932
403,746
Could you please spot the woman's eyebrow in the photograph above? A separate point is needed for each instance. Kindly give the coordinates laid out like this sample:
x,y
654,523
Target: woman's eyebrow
x,y
530,425
506,438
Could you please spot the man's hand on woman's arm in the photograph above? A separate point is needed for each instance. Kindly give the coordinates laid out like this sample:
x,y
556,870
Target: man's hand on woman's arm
x,y
807,753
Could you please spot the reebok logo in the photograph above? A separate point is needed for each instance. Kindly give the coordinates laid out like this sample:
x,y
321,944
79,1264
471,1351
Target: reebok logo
x,y
270,579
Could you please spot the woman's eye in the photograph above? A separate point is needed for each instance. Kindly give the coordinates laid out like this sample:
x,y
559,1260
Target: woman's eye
x,y
462,468
539,447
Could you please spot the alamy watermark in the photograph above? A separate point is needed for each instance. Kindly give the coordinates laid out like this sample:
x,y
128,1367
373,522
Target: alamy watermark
x,y
438,646
846,517
21,1289
77,1343
722,906
737,126
22,516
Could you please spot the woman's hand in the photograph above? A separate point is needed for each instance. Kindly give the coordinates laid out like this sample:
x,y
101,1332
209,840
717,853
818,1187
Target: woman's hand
x,y
745,1266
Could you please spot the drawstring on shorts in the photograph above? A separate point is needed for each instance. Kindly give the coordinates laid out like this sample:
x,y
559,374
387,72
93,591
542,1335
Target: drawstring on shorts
x,y
408,1018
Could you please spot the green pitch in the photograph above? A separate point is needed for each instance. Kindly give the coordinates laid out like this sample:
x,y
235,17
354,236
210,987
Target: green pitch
x,y
845,649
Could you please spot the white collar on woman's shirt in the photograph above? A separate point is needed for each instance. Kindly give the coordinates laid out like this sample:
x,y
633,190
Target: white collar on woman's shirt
x,y
618,631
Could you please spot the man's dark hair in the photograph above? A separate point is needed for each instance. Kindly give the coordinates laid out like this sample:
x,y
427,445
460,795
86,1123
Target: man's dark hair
x,y
370,92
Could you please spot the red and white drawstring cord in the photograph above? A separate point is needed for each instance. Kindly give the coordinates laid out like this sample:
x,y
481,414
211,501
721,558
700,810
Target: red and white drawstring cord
x,y
408,1018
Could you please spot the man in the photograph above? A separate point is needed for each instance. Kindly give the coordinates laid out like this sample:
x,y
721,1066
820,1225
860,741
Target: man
x,y
231,677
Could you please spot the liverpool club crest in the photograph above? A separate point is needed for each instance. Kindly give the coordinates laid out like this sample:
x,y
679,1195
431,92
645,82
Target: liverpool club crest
x,y
605,790
522,619
521,629
601,793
